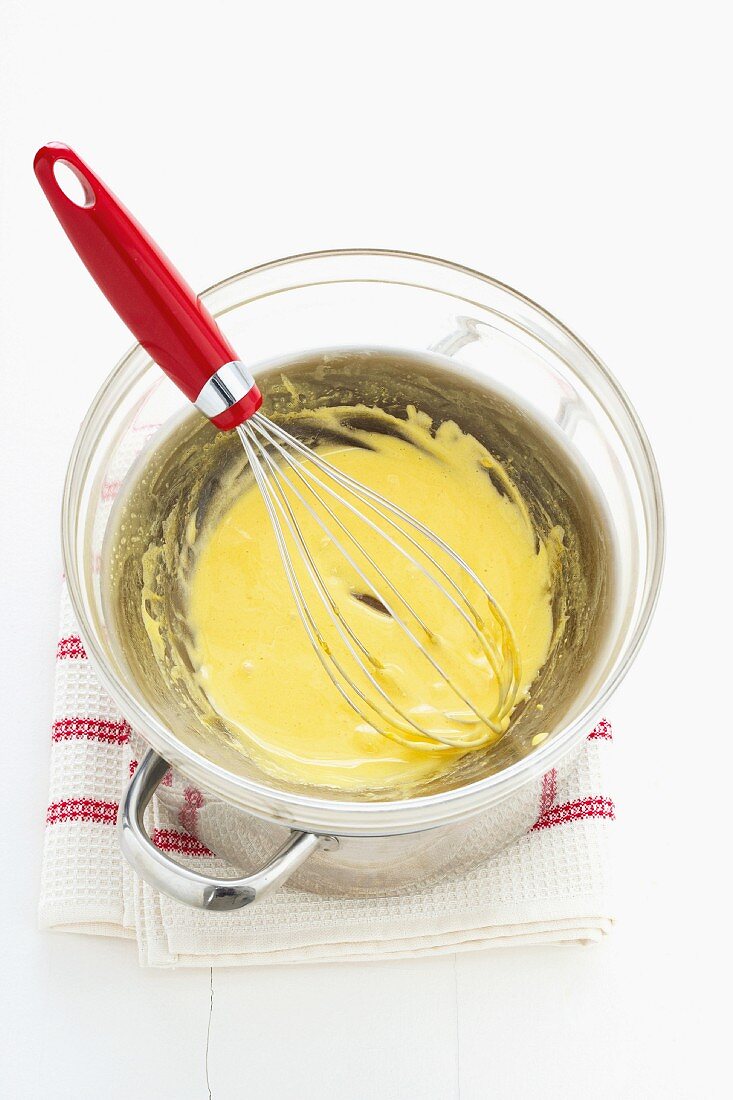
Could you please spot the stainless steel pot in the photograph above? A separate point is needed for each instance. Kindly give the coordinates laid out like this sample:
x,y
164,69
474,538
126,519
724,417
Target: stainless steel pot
x,y
516,378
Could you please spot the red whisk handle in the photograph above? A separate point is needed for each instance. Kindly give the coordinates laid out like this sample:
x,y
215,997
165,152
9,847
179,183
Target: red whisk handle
x,y
150,296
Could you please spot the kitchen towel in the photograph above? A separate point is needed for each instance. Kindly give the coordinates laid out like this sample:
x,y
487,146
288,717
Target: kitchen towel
x,y
550,887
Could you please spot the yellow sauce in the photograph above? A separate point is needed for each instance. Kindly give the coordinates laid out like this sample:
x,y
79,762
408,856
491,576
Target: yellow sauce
x,y
250,652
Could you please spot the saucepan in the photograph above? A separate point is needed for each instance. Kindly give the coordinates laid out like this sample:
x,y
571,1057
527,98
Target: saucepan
x,y
397,329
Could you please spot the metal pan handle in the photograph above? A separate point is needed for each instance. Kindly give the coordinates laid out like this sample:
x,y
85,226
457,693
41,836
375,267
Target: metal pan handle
x,y
190,887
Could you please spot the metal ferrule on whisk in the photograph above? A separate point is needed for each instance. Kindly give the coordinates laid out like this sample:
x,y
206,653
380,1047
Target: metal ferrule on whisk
x,y
226,388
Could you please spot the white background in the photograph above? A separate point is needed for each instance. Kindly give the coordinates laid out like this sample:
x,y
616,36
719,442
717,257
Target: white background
x,y
576,151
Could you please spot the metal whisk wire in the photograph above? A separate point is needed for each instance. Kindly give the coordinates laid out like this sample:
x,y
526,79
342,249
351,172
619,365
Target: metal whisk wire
x,y
291,474
330,604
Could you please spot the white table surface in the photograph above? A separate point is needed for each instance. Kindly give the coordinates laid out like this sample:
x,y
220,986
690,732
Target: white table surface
x,y
574,152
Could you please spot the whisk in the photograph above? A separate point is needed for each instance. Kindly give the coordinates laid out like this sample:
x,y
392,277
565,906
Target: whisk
x,y
301,488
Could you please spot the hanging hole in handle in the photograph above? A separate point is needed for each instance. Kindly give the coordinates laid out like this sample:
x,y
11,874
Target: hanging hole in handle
x,y
73,184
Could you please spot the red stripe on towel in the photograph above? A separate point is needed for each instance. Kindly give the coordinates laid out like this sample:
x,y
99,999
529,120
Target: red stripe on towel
x,y
110,489
82,809
549,791
581,808
94,729
170,840
602,732
70,648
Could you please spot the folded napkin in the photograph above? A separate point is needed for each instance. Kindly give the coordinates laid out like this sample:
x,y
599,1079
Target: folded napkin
x,y
551,886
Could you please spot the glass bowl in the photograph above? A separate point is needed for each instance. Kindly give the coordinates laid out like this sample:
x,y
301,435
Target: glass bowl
x,y
485,331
